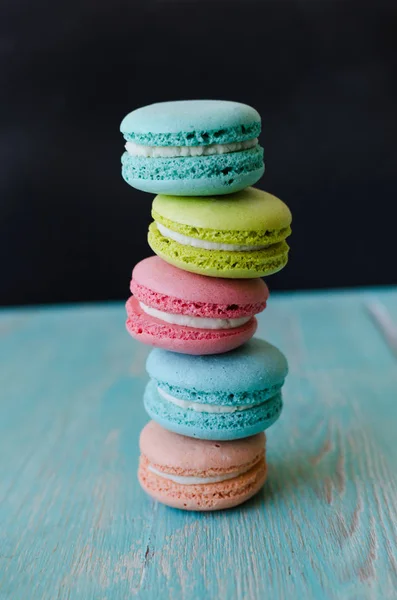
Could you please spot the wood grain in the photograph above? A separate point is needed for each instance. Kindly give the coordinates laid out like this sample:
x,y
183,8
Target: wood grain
x,y
75,524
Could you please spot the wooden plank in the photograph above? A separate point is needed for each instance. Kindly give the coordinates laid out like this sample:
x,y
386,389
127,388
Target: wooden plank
x,y
76,522
77,526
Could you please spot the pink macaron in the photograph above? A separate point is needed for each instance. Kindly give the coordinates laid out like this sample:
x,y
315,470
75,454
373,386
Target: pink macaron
x,y
189,313
203,475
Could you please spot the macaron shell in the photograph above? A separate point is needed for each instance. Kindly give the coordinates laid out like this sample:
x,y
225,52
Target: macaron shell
x,y
219,263
178,305
191,123
157,283
211,426
222,174
250,209
186,340
255,367
203,497
186,456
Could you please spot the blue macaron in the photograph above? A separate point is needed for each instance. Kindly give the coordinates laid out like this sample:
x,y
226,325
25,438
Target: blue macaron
x,y
192,148
216,397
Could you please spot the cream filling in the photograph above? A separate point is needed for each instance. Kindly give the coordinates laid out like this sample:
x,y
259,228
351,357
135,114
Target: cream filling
x,y
186,240
204,408
197,322
186,480
135,149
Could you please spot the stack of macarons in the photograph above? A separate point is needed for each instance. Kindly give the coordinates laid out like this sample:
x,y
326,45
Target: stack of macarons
x,y
213,388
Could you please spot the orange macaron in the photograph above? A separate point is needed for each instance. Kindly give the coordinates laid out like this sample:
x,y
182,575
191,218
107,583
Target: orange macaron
x,y
201,475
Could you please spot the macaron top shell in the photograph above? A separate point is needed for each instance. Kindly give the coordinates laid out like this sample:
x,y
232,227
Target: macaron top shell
x,y
191,123
232,297
177,453
250,210
255,366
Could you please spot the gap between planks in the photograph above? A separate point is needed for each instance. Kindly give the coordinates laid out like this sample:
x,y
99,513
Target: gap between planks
x,y
383,321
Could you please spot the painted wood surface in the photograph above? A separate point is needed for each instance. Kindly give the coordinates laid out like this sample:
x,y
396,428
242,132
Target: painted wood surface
x,y
75,524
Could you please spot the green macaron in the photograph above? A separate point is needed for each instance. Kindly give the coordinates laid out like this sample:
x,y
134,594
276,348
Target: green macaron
x,y
239,236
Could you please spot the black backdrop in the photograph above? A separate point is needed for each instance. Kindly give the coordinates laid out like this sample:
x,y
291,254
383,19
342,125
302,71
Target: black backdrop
x,y
322,74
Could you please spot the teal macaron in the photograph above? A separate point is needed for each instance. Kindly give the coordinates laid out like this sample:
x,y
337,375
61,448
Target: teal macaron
x,y
216,397
192,147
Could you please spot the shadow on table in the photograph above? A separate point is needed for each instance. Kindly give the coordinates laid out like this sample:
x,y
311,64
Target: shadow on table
x,y
295,480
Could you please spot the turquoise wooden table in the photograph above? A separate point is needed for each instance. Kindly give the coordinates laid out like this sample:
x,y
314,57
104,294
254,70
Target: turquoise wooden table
x,y
75,525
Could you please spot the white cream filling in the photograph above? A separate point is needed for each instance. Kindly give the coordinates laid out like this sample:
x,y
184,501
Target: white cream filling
x,y
135,149
186,480
186,240
205,408
197,322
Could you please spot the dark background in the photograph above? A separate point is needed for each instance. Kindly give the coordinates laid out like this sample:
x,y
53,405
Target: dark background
x,y
323,75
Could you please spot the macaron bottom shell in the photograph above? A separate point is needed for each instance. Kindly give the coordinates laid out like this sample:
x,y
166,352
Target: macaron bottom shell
x,y
203,497
217,174
219,263
185,340
211,426
205,186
